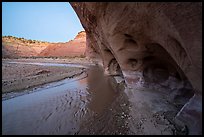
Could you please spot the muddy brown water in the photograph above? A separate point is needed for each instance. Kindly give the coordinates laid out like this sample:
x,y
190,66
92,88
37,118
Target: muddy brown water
x,y
90,103
59,107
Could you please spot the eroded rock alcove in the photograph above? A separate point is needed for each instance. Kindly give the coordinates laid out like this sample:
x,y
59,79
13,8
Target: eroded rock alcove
x,y
150,44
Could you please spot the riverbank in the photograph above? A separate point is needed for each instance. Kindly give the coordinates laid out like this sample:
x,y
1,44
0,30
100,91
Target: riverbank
x,y
90,104
51,60
18,76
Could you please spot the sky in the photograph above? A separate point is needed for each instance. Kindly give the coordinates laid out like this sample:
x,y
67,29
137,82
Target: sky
x,y
44,21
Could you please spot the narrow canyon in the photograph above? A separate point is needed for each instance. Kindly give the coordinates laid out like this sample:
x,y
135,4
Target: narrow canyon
x,y
136,69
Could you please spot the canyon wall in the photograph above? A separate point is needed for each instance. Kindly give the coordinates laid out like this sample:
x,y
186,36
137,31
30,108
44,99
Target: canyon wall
x,y
73,48
150,44
13,47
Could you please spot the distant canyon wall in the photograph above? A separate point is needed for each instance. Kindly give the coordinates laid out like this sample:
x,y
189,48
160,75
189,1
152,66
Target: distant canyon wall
x,y
13,47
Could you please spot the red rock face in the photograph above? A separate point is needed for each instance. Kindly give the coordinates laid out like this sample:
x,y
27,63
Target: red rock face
x,y
13,47
81,35
16,51
72,48
17,48
151,43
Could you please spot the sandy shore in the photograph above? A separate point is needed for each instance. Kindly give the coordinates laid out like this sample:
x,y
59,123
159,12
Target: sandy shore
x,y
17,77
100,102
52,60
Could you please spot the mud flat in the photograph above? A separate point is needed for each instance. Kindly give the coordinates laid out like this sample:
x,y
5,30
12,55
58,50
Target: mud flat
x,y
85,103
61,107
51,60
20,74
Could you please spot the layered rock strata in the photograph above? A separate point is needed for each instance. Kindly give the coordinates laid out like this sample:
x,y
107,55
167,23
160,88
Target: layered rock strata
x,y
150,44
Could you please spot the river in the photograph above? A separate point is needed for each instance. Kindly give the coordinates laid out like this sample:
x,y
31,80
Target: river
x,y
90,103
59,107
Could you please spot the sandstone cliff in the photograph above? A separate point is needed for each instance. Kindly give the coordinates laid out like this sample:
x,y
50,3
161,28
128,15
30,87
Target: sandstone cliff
x,y
154,44
20,47
72,48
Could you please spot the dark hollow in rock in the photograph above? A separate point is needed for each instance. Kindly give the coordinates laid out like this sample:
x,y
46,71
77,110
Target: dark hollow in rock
x,y
132,62
128,36
114,68
156,74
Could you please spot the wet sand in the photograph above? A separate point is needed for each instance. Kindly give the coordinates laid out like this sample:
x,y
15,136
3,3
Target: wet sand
x,y
91,104
16,77
52,60
60,107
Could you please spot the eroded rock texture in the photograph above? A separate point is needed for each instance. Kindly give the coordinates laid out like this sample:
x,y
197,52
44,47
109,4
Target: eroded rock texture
x,y
13,47
72,48
150,44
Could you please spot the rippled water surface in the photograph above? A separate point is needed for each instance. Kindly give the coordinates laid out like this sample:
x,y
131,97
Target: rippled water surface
x,y
59,107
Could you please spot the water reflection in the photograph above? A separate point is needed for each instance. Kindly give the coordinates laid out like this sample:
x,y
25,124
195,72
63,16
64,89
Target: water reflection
x,y
59,107
51,64
102,92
